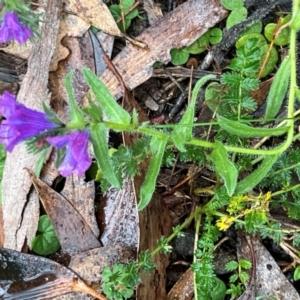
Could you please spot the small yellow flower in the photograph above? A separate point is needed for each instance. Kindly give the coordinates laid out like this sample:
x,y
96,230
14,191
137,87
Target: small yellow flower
x,y
225,222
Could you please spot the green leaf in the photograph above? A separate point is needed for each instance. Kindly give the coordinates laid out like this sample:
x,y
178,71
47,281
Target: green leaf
x,y
76,115
242,130
233,278
158,145
200,45
296,23
297,273
114,112
46,241
2,151
132,15
125,5
183,131
232,4
2,162
283,37
93,111
244,277
178,57
256,176
99,140
213,97
215,36
271,62
297,93
255,220
259,40
117,9
236,16
219,290
225,168
278,89
245,264
106,274
51,116
254,28
231,265
39,163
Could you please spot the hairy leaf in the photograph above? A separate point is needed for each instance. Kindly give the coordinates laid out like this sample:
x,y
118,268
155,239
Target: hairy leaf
x,y
183,131
236,16
242,130
256,176
225,167
99,141
278,89
158,145
76,114
114,112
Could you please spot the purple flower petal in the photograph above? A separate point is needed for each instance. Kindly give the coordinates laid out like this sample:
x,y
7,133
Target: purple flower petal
x,y
76,158
21,122
13,29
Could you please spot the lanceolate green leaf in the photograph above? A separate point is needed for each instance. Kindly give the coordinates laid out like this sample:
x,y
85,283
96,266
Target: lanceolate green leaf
x,y
113,111
256,176
224,167
278,89
158,145
242,130
76,115
183,131
99,141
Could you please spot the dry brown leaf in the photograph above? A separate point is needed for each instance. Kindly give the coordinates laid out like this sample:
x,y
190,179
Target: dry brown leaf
x,y
72,230
183,289
21,209
96,13
81,195
177,29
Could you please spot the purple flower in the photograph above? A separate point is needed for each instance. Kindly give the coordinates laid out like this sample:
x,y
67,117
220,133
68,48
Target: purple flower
x,y
13,29
21,122
76,158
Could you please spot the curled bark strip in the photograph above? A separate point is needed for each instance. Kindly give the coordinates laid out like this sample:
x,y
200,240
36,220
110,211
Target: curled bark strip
x,y
177,29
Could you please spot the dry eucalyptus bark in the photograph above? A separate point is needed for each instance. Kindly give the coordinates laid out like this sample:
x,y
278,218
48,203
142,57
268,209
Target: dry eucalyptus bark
x,y
20,205
177,29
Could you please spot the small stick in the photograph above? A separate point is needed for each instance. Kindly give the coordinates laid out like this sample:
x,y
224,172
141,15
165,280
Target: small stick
x,y
112,67
134,6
